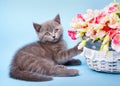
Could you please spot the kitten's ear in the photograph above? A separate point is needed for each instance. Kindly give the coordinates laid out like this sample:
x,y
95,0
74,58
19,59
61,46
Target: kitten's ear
x,y
37,27
57,18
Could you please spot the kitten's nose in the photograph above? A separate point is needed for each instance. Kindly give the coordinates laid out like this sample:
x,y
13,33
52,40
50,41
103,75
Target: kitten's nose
x,y
53,36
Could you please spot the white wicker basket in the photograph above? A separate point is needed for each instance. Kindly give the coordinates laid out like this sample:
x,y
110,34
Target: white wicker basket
x,y
100,61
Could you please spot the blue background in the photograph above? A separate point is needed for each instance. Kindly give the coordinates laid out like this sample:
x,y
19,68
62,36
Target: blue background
x,y
16,30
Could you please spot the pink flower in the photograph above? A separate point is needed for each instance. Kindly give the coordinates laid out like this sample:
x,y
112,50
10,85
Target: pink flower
x,y
97,25
116,42
116,38
79,16
98,18
112,8
72,34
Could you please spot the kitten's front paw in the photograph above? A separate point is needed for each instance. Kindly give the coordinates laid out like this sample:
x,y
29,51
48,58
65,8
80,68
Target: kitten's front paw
x,y
62,72
78,50
73,72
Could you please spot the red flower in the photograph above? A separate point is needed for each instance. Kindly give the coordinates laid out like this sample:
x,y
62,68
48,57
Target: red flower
x,y
106,28
72,33
112,33
92,20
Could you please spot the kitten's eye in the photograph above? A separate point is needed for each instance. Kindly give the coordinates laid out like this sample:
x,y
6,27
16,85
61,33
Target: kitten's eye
x,y
47,33
56,30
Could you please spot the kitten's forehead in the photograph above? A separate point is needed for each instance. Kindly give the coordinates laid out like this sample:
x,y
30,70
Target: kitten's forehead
x,y
49,24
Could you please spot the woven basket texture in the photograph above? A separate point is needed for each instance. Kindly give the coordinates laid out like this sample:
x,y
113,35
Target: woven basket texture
x,y
101,61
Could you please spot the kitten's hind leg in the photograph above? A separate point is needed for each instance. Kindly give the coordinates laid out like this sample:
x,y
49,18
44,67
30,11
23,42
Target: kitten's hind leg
x,y
29,76
62,71
31,70
73,62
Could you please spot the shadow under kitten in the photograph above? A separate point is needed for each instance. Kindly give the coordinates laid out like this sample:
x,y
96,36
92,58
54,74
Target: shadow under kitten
x,y
45,58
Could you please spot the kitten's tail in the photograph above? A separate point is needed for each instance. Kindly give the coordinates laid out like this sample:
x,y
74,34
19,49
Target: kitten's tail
x,y
29,76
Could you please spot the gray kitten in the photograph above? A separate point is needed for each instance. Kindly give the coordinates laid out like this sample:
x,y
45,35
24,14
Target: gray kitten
x,y
45,58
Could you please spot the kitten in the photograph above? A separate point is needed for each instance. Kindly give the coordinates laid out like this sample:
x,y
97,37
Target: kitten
x,y
45,58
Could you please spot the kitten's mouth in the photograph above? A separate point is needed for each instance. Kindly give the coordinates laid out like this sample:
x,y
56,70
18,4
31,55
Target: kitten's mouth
x,y
55,39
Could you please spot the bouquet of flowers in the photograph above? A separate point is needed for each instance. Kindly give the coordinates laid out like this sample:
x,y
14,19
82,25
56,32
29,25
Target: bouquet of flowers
x,y
101,27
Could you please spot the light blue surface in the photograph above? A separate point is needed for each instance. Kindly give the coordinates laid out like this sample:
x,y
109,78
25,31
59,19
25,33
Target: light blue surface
x,y
16,30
